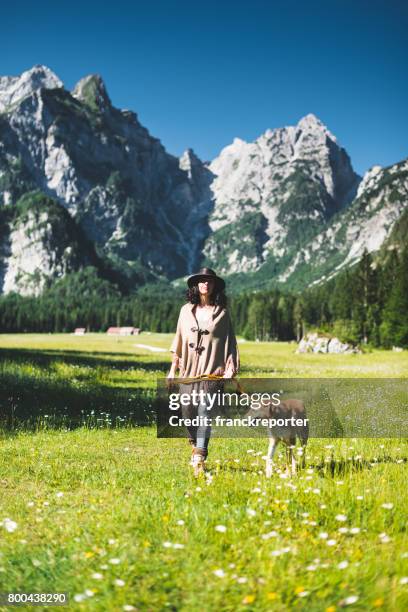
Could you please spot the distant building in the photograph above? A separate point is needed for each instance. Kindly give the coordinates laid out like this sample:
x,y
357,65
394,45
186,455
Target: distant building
x,y
123,331
79,331
129,331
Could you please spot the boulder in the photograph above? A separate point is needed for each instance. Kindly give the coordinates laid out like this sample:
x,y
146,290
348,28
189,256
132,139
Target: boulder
x,y
318,343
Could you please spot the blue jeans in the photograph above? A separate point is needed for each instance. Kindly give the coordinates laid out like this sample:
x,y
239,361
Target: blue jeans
x,y
199,437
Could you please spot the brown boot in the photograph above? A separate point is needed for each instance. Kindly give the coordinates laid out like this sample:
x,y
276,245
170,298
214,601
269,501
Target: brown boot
x,y
198,462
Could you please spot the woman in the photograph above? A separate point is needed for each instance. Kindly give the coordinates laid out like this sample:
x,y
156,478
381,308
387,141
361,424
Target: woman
x,y
204,344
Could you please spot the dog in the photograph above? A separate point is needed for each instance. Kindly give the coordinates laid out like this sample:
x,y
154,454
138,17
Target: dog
x,y
287,414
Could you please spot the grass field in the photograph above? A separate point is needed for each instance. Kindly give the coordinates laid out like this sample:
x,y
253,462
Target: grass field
x,y
113,516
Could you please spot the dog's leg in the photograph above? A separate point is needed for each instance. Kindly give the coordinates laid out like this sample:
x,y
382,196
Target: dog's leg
x,y
290,459
269,457
303,461
293,461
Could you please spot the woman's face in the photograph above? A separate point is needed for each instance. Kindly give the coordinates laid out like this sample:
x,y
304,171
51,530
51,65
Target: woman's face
x,y
206,286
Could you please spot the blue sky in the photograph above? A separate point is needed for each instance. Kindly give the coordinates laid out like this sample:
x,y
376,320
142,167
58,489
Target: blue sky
x,y
199,74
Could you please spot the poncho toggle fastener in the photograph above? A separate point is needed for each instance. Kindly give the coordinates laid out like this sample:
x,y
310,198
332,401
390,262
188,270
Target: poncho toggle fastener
x,y
199,349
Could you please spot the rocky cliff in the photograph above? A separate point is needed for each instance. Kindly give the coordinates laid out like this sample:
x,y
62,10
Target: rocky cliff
x,y
285,209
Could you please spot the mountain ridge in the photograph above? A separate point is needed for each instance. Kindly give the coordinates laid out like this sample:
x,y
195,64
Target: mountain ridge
x,y
274,209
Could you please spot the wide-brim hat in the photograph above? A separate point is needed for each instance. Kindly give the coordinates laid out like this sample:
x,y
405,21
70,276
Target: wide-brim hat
x,y
208,273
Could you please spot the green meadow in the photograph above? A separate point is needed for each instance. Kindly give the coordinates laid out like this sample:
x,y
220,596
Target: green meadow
x,y
110,514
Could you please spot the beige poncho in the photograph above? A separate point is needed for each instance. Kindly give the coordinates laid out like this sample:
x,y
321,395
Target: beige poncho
x,y
207,351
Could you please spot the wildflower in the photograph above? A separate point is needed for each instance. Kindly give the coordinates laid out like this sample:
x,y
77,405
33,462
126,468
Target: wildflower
x,y
271,534
128,608
114,561
208,477
387,506
342,565
221,528
348,601
377,603
355,530
341,517
271,596
342,530
178,546
384,538
9,525
97,576
59,494
323,535
119,582
331,542
180,522
403,580
251,512
219,573
248,599
79,597
242,580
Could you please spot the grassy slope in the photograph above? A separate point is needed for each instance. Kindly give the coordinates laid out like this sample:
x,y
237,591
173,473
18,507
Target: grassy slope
x,y
125,492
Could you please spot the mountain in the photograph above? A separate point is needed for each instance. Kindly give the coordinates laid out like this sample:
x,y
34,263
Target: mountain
x,y
132,199
376,221
84,183
275,193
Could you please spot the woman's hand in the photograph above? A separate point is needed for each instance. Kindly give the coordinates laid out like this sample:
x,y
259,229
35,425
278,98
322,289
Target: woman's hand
x,y
175,364
170,376
229,372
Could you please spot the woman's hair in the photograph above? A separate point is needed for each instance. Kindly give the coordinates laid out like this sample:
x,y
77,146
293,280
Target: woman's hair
x,y
217,298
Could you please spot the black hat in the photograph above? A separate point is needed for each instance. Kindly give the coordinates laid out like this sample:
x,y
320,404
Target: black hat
x,y
219,282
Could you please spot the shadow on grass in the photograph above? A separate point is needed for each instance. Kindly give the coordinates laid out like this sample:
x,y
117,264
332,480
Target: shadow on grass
x,y
344,466
29,401
45,358
324,469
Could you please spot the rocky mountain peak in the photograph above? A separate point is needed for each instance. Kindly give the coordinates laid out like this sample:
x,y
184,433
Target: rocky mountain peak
x,y
13,89
310,121
92,91
189,160
370,179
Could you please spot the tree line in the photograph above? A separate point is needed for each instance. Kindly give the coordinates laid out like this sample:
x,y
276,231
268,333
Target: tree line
x,y
365,304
